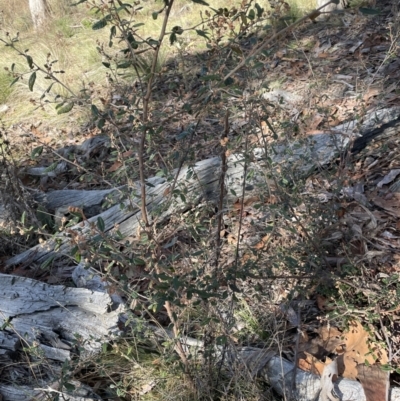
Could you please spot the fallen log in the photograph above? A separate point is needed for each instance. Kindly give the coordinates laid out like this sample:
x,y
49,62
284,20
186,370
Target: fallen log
x,y
53,319
50,322
198,184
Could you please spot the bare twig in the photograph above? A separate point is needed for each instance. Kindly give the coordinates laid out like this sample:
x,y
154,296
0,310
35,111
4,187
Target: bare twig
x,y
222,187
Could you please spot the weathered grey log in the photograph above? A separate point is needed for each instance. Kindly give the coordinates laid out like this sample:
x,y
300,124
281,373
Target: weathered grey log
x,y
51,318
84,150
31,310
200,184
45,391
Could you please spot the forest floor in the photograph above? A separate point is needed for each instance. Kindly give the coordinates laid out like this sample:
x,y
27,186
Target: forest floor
x,y
325,74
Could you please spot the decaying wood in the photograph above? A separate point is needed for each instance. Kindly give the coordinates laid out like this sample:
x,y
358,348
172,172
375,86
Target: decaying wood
x,y
53,319
82,153
199,184
39,313
35,309
47,390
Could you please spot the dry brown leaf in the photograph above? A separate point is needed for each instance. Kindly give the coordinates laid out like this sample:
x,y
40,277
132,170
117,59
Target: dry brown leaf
x,y
321,302
331,339
147,387
358,358
391,203
224,141
127,154
375,382
360,350
115,167
264,128
264,241
372,92
311,364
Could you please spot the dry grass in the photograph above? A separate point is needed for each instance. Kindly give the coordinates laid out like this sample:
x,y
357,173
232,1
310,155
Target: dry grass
x,y
68,37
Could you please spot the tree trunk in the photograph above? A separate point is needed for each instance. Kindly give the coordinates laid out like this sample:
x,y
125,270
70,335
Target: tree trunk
x,y
39,11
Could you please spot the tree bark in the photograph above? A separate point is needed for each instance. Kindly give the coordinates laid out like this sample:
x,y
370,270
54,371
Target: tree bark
x,y
39,11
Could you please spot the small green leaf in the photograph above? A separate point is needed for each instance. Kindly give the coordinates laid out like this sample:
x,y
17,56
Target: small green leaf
x,y
51,168
202,2
31,81
260,10
155,15
132,41
101,23
201,33
95,110
47,263
29,59
187,107
172,38
44,218
234,287
182,135
36,152
48,89
107,65
14,81
65,109
177,29
69,386
139,262
221,340
100,123
100,224
251,15
214,77
369,11
171,243
124,64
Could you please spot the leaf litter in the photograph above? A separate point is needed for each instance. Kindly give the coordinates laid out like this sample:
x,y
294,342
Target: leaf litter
x,y
365,212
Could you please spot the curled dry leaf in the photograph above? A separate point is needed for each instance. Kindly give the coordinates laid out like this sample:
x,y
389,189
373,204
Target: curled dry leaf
x,y
360,350
390,204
